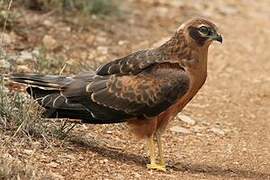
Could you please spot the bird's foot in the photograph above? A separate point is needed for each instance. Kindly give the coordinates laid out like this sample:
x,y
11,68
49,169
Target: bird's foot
x,y
159,167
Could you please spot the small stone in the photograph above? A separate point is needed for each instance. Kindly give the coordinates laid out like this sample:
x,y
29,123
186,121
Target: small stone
x,y
57,176
186,119
49,42
65,29
28,151
90,39
217,131
205,123
71,157
179,129
24,56
47,23
103,50
109,132
136,175
162,11
23,68
5,38
120,176
4,64
53,164
103,161
122,42
101,39
36,53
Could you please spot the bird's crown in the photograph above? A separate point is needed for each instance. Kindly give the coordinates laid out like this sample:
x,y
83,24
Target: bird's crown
x,y
200,31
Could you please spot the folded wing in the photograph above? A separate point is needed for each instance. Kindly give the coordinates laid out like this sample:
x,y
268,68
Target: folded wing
x,y
146,94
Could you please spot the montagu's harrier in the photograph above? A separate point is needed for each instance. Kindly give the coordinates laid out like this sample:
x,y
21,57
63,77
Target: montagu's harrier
x,y
146,88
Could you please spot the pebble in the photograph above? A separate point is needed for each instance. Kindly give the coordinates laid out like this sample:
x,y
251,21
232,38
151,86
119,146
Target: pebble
x,y
90,39
4,64
28,151
71,157
103,50
101,39
5,39
137,175
57,176
186,119
122,42
53,164
109,132
35,53
23,68
48,23
49,42
24,56
217,131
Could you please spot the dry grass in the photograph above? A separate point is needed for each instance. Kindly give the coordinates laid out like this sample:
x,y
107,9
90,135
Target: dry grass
x,y
21,122
12,168
20,114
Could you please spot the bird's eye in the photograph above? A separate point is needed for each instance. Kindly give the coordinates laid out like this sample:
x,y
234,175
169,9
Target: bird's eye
x,y
205,30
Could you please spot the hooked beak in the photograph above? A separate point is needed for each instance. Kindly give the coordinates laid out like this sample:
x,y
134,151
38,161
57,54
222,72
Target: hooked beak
x,y
217,37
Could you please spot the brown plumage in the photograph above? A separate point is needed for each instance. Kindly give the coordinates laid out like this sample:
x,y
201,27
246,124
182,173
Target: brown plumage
x,y
146,88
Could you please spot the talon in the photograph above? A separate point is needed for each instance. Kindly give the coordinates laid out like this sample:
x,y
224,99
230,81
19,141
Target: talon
x,y
159,167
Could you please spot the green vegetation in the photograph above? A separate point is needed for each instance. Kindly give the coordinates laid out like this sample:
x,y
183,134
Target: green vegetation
x,y
97,7
20,113
8,18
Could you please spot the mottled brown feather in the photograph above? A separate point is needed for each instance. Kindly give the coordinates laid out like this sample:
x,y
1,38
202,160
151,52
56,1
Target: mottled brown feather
x,y
146,94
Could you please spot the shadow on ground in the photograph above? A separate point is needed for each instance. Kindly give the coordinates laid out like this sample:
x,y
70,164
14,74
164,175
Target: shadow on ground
x,y
92,145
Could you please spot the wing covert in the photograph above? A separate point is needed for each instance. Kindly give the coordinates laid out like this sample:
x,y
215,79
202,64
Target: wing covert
x,y
146,94
131,64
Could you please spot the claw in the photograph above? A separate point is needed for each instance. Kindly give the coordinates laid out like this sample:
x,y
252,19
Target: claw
x,y
159,167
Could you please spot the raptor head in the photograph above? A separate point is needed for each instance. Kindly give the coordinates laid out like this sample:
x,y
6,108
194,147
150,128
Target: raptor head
x,y
200,32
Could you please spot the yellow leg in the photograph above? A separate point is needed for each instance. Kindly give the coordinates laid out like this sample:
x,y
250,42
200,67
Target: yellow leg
x,y
153,164
151,150
160,151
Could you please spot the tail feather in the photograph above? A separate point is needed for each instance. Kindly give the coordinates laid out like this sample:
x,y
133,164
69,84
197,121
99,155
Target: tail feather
x,y
66,97
42,81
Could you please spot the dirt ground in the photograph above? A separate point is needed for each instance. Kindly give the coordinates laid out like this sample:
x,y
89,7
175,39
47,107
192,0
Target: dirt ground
x,y
229,135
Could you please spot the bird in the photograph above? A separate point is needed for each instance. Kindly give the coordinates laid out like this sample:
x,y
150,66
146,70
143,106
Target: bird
x,y
146,89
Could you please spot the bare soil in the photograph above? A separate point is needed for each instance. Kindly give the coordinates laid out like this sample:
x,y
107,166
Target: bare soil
x,y
231,135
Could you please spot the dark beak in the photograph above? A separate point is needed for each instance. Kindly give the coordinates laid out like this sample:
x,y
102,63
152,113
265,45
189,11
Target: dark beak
x,y
218,38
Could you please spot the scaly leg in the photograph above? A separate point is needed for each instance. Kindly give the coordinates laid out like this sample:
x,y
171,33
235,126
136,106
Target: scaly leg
x,y
151,149
160,151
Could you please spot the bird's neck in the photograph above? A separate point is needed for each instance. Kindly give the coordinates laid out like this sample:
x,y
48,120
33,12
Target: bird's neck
x,y
175,48
191,57
185,52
